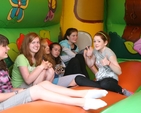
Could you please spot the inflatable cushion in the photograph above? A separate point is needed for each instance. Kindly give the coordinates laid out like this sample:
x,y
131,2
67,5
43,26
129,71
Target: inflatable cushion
x,y
129,79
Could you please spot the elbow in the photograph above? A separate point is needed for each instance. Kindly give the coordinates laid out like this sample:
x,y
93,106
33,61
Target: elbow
x,y
120,72
28,82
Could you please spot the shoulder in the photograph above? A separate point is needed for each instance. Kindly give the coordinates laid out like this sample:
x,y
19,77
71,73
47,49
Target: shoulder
x,y
107,49
108,52
95,51
21,58
64,43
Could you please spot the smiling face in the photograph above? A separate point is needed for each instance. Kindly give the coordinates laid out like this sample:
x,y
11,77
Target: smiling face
x,y
34,46
99,44
72,38
4,51
3,47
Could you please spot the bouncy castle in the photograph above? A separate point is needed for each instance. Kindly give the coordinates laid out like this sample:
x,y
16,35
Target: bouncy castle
x,y
121,19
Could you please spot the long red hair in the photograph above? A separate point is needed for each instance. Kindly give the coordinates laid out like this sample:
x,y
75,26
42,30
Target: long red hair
x,y
25,48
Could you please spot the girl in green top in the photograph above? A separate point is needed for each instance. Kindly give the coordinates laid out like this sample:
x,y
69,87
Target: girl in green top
x,y
28,69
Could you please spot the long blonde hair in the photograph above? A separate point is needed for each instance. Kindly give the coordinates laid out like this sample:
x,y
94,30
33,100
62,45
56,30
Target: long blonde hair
x,y
46,57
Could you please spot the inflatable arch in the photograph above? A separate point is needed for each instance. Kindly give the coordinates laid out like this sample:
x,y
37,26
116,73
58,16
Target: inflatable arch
x,y
50,19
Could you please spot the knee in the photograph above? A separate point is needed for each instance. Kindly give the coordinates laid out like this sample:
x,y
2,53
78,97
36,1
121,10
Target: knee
x,y
35,92
74,60
79,56
35,89
79,79
50,72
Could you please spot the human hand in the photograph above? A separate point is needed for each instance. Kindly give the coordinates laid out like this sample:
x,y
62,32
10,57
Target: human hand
x,y
105,61
45,64
49,65
88,51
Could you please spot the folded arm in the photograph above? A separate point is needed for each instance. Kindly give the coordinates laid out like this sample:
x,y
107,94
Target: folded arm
x,y
68,54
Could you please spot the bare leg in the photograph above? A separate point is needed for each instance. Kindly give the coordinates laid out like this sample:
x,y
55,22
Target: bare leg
x,y
68,80
53,97
40,78
62,90
50,74
73,83
74,93
39,92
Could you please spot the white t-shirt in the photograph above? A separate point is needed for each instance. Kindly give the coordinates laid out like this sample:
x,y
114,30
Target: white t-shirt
x,y
104,71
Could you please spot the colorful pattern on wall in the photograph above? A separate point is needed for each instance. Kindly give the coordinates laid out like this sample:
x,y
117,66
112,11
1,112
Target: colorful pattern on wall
x,y
19,17
18,7
122,22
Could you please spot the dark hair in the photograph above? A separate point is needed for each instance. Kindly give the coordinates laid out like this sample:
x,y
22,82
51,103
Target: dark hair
x,y
4,42
104,36
69,31
58,59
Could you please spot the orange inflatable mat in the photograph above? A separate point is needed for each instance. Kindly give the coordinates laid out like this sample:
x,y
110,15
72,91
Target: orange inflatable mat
x,y
130,79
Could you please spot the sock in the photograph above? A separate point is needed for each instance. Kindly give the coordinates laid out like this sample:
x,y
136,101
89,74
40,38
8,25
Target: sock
x,y
96,94
126,92
94,104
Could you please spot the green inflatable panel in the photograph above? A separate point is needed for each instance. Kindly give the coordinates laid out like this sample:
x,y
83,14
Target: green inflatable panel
x,y
129,105
19,17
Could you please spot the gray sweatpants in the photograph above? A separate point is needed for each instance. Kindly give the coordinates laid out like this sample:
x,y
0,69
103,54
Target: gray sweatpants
x,y
21,98
66,80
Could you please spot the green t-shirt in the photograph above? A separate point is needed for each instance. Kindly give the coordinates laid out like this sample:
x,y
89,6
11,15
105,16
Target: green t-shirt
x,y
17,79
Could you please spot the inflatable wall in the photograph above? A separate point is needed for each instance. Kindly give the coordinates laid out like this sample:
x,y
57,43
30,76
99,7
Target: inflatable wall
x,y
122,21
19,17
85,15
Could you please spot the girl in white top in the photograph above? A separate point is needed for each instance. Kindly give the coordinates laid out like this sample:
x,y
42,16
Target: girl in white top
x,y
107,68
